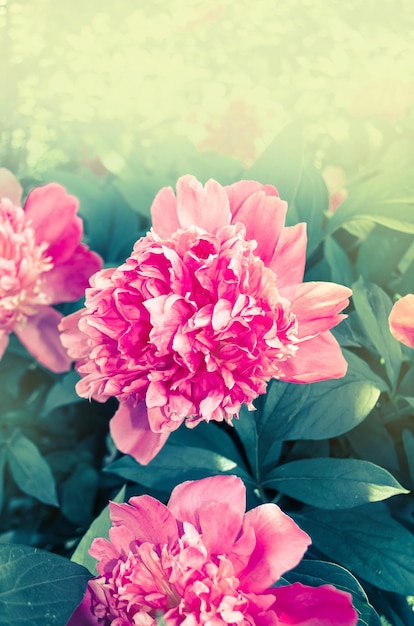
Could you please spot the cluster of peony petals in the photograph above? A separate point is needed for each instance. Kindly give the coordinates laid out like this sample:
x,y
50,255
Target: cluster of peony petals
x,y
401,320
207,309
42,263
202,560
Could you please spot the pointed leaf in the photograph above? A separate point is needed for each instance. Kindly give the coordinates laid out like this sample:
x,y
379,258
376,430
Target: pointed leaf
x,y
318,410
173,465
62,393
99,528
385,197
38,588
3,458
341,268
408,442
373,307
281,164
367,541
30,470
311,202
333,483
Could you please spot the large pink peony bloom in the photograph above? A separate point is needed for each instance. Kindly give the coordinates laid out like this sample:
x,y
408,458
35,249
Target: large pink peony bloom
x,y
207,309
202,560
42,262
401,320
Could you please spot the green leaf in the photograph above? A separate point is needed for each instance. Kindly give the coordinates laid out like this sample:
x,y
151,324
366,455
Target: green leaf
x,y
3,458
112,226
30,470
380,254
262,453
162,163
99,528
38,588
371,441
367,541
315,573
12,369
408,442
78,493
314,411
396,212
213,436
363,371
62,393
175,464
330,483
281,164
373,307
386,198
341,268
310,204
318,410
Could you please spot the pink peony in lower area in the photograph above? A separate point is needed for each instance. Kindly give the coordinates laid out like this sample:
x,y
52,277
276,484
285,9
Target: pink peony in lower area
x,y
202,560
401,320
42,263
207,309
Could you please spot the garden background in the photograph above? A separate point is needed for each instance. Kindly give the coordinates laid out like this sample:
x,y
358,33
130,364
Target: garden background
x,y
115,101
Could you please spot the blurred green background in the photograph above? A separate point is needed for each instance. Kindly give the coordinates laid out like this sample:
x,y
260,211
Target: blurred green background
x,y
93,82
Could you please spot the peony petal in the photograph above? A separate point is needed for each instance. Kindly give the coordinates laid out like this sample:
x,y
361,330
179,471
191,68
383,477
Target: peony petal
x,y
147,519
67,282
289,259
264,218
188,498
82,616
239,192
401,320
206,207
317,305
300,605
316,359
280,545
52,213
132,434
10,187
220,525
164,213
40,335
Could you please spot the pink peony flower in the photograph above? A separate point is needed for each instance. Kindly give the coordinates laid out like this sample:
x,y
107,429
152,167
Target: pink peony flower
x,y
202,560
401,320
42,263
207,309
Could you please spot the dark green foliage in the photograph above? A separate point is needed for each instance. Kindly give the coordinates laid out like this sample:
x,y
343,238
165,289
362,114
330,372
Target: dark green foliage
x,y
37,587
325,452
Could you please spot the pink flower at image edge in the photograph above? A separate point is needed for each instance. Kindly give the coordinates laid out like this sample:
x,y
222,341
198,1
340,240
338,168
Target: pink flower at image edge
x,y
42,263
401,320
202,559
207,309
